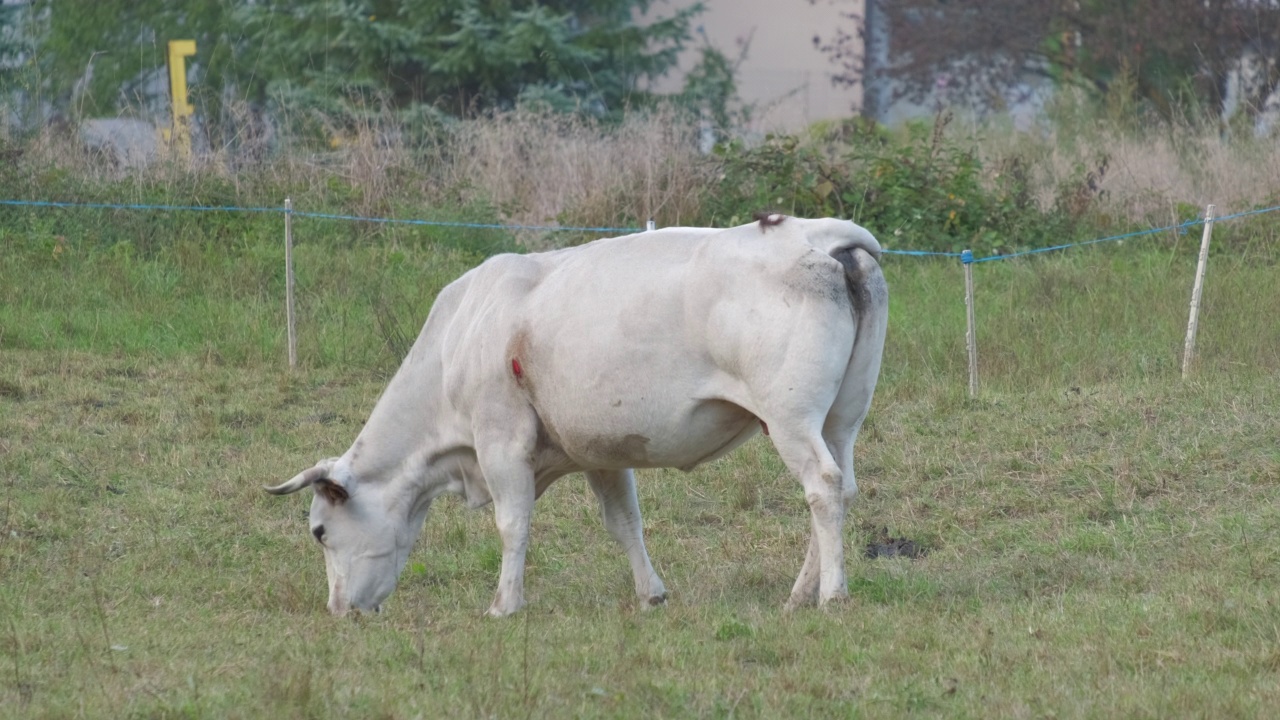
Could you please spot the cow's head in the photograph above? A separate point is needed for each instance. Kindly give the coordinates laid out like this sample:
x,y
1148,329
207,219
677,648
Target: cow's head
x,y
366,534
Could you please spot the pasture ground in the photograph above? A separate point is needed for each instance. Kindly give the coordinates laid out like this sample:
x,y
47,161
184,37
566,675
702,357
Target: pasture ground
x,y
1103,539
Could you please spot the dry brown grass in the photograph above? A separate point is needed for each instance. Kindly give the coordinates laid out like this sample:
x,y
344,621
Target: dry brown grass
x,y
1142,173
545,168
534,167
541,168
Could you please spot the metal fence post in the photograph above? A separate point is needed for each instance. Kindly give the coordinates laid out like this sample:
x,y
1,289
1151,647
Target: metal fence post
x,y
971,334
288,284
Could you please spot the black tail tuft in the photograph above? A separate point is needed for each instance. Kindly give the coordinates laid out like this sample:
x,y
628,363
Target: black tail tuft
x,y
863,278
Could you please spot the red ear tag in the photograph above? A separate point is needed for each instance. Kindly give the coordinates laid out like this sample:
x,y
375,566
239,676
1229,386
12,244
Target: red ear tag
x,y
515,368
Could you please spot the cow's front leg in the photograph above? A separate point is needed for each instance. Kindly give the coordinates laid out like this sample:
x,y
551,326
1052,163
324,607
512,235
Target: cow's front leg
x,y
616,491
512,487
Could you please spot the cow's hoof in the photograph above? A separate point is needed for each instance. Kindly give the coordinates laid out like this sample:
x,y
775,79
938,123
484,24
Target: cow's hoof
x,y
499,611
795,603
835,602
657,601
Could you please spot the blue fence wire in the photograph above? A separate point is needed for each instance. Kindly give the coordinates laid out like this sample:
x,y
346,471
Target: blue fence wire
x,y
1180,227
119,206
483,226
966,257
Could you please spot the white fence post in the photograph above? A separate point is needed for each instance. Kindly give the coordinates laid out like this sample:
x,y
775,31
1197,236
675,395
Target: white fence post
x,y
288,284
650,226
1197,290
971,334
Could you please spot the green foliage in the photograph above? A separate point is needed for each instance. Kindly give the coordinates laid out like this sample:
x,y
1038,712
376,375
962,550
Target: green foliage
x,y
465,56
922,190
103,54
711,87
341,58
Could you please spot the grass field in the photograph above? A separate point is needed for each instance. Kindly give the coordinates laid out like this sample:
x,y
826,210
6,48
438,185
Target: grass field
x,y
1103,539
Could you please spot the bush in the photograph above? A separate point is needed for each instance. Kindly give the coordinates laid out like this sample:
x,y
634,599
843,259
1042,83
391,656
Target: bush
x,y
922,191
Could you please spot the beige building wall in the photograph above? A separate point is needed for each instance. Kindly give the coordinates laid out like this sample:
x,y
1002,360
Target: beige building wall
x,y
785,78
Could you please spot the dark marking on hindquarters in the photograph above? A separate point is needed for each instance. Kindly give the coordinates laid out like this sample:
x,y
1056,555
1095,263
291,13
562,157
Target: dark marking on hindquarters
x,y
814,275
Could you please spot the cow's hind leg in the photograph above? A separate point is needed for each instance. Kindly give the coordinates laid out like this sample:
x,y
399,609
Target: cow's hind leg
x,y
616,491
840,444
809,457
839,431
805,590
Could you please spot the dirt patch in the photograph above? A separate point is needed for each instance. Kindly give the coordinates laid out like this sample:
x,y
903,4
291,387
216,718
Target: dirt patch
x,y
12,390
883,545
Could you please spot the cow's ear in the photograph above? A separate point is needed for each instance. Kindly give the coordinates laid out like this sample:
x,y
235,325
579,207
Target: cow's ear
x,y
332,491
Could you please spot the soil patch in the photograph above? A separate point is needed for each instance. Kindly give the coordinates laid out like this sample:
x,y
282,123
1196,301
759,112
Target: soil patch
x,y
883,545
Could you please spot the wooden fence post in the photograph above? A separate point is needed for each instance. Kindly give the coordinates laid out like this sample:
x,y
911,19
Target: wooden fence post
x,y
288,284
1197,290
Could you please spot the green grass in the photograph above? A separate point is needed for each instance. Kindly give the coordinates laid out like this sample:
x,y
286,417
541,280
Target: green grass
x,y
1104,539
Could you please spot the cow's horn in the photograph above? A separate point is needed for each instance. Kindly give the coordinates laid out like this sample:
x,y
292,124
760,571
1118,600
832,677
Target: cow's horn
x,y
303,479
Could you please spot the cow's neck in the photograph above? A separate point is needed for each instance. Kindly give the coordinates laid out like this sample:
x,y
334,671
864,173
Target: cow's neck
x,y
402,437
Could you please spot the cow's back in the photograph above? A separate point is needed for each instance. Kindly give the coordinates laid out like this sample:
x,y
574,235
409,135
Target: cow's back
x,y
656,349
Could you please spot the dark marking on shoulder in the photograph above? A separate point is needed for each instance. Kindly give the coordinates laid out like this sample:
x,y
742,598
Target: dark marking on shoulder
x,y
768,219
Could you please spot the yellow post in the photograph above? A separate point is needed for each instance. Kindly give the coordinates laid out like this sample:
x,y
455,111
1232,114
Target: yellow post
x,y
180,134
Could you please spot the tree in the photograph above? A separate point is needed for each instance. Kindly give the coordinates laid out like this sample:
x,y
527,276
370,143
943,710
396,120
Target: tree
x,y
106,52
1173,52
461,56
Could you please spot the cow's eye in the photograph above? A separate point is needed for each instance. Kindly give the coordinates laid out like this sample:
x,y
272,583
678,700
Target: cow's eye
x,y
318,531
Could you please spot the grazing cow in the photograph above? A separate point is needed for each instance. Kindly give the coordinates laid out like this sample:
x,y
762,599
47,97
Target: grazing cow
x,y
660,349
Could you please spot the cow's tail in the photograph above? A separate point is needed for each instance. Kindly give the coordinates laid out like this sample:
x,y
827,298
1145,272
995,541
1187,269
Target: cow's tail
x,y
862,276
869,297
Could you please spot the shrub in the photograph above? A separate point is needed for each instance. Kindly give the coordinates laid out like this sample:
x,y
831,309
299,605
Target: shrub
x,y
922,190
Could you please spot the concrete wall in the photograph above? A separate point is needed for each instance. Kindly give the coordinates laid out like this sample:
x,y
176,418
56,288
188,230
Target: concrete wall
x,y
783,75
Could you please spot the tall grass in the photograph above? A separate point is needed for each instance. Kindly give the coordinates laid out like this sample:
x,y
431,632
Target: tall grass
x,y
537,168
1152,175
1089,316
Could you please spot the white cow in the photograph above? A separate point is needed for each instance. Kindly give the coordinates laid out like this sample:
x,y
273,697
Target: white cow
x,y
661,349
